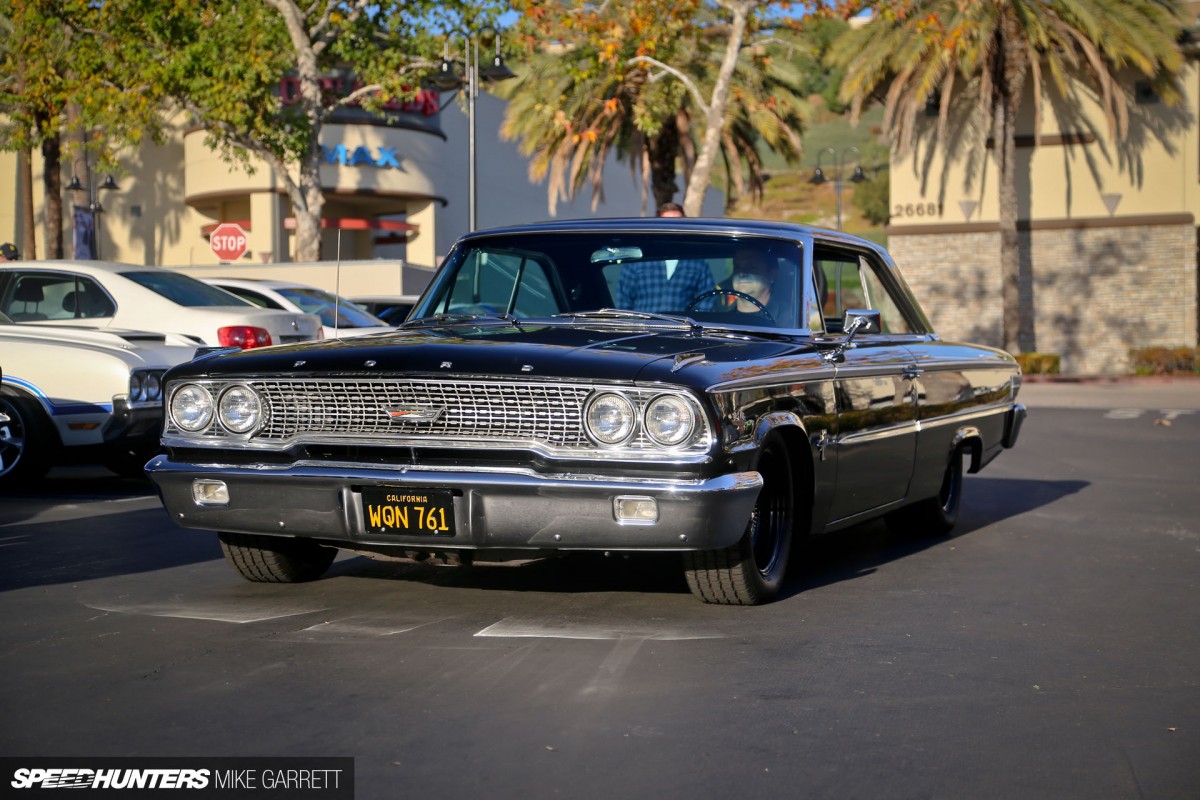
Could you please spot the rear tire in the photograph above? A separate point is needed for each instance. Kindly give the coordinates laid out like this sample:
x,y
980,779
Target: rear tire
x,y
28,444
751,572
274,559
933,516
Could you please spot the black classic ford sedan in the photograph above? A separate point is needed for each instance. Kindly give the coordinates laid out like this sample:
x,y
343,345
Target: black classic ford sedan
x,y
717,388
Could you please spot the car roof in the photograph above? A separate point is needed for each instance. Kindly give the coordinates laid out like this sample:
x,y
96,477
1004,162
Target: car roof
x,y
84,266
705,225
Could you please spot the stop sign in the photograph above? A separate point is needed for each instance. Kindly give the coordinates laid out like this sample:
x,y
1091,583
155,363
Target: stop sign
x,y
228,241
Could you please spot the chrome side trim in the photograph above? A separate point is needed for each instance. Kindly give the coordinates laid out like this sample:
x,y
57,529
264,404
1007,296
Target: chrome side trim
x,y
902,429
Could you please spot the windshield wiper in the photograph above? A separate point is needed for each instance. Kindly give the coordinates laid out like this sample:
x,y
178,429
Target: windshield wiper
x,y
623,313
447,320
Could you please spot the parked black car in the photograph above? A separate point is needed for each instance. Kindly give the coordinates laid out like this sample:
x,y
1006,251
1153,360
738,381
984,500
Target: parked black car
x,y
719,388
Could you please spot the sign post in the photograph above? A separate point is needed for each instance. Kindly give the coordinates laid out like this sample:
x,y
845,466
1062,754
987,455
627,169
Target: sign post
x,y
228,241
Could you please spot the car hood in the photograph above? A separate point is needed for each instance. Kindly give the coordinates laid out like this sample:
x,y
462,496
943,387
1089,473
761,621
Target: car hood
x,y
529,351
153,349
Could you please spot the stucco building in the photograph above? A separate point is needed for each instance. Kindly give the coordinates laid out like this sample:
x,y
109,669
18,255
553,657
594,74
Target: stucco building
x,y
395,189
1108,227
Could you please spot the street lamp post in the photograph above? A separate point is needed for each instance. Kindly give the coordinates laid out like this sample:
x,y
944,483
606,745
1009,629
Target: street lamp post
x,y
449,78
839,161
90,237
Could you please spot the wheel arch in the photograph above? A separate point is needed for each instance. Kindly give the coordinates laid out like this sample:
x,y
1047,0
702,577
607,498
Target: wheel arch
x,y
25,392
789,430
969,440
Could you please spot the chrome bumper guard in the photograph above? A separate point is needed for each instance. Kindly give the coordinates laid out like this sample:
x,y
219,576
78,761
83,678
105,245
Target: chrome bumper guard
x,y
1012,424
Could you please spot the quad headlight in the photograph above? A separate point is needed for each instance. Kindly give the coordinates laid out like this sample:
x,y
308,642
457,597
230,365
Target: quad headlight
x,y
669,420
610,418
192,407
137,387
145,387
615,418
240,409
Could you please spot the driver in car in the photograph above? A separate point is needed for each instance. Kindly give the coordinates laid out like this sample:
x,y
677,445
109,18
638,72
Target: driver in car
x,y
753,276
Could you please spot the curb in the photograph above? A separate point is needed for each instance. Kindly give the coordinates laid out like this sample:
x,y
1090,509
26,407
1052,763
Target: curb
x,y
1128,380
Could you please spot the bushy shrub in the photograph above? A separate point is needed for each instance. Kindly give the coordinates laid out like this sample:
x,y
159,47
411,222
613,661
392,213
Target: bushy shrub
x,y
1165,361
1039,363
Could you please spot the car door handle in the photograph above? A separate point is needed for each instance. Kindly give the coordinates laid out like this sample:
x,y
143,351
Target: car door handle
x,y
912,372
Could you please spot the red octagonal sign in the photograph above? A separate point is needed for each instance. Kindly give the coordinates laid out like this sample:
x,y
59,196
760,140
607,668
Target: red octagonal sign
x,y
228,241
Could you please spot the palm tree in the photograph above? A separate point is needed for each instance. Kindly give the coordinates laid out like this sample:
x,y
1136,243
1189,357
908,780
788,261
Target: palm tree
x,y
984,52
575,106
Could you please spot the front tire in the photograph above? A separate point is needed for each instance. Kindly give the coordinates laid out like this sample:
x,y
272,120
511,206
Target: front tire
x,y
28,444
274,559
751,572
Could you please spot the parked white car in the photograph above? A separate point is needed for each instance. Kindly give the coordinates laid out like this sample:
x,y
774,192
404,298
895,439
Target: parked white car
x,y
104,294
391,308
73,394
339,317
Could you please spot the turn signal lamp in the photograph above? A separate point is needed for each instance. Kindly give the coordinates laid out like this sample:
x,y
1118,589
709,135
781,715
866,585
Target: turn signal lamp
x,y
631,510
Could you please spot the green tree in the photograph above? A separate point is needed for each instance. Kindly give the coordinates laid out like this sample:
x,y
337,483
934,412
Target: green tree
x,y
655,83
223,61
983,53
65,89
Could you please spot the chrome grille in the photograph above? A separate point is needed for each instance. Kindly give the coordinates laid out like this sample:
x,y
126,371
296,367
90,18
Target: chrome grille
x,y
547,417
545,413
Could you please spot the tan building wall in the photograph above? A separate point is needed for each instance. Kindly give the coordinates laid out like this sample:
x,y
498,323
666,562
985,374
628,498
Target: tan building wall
x,y
1108,243
170,195
1094,294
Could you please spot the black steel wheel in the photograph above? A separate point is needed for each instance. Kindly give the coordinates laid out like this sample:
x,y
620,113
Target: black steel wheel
x,y
933,516
751,572
275,559
28,444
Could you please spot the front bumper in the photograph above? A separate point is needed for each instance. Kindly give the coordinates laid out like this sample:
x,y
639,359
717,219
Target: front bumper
x,y
501,510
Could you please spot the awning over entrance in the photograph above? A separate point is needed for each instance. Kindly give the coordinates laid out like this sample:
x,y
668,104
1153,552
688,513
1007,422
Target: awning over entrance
x,y
342,223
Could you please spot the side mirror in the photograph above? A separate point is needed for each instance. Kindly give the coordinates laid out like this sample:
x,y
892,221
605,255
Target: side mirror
x,y
857,320
862,320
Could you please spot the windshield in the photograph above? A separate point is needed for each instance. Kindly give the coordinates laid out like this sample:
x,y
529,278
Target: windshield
x,y
184,290
724,280
333,310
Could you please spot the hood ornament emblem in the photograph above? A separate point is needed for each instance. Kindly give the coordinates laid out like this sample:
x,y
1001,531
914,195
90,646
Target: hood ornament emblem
x,y
419,414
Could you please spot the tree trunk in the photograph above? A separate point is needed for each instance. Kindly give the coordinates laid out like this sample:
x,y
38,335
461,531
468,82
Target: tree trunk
x,y
308,202
714,122
1007,100
663,153
308,211
53,203
25,181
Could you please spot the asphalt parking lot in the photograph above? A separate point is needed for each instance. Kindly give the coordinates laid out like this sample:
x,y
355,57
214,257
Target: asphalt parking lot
x,y
1047,649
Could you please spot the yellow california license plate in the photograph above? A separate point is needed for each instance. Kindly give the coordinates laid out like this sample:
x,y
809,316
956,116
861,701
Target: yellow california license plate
x,y
409,512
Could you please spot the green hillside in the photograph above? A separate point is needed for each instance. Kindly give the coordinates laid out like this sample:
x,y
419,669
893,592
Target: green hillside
x,y
790,197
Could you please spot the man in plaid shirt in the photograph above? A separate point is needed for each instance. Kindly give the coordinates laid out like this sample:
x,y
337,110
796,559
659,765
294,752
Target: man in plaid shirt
x,y
663,285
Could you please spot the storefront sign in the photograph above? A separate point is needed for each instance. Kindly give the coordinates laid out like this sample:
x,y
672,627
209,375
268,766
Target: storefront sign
x,y
382,157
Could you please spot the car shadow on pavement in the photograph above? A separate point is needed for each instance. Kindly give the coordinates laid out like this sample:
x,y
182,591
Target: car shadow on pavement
x,y
576,572
73,550
860,550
